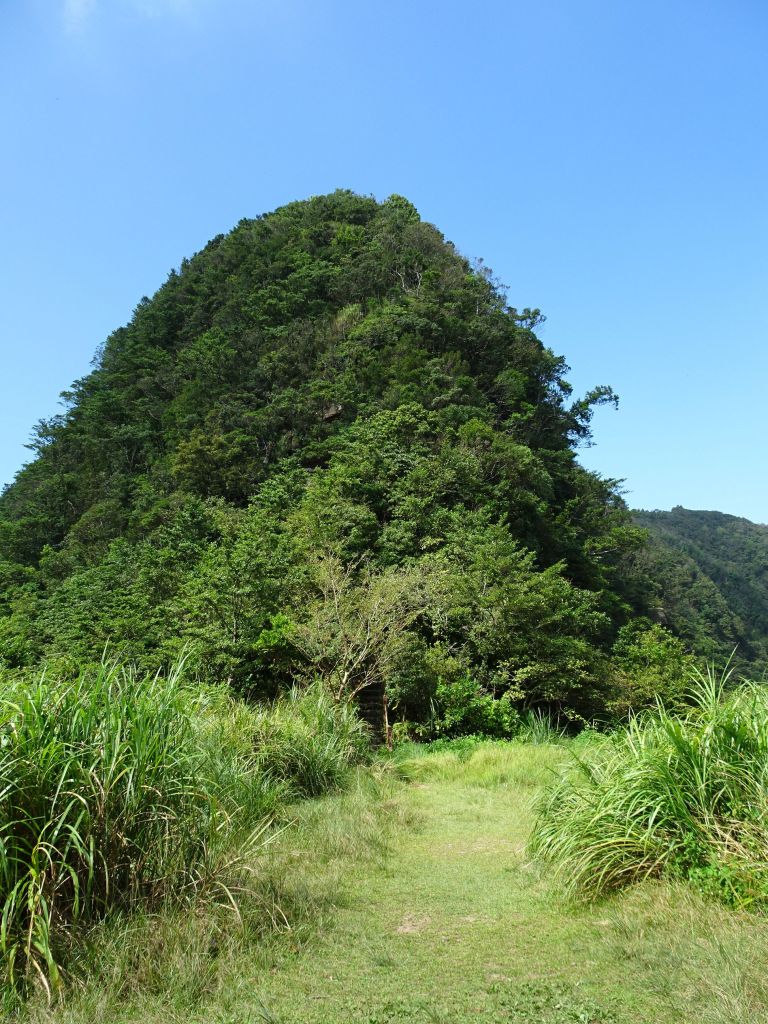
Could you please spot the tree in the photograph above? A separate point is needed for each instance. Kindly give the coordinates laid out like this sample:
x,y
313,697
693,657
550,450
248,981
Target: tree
x,y
354,628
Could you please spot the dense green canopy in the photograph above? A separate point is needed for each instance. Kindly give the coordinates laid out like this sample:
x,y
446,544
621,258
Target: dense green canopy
x,y
327,444
712,581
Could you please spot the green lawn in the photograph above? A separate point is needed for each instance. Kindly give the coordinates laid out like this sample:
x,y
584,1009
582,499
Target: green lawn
x,y
411,898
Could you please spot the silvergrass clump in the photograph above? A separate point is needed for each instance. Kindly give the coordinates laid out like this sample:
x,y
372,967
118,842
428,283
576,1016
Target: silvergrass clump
x,y
307,740
110,800
681,796
538,727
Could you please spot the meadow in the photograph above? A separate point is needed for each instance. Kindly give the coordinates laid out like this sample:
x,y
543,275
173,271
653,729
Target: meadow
x,y
260,864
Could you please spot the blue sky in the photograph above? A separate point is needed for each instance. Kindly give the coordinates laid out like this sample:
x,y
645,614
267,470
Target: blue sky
x,y
609,160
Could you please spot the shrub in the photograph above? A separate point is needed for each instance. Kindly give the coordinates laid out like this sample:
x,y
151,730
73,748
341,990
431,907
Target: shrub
x,y
648,663
462,707
672,795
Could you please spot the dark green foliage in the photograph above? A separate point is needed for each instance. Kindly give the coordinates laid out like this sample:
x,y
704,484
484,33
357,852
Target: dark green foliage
x,y
328,381
710,574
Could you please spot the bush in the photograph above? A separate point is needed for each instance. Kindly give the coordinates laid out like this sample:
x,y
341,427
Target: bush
x,y
462,707
676,796
307,740
648,664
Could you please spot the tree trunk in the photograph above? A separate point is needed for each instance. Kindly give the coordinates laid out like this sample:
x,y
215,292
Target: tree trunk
x,y
372,705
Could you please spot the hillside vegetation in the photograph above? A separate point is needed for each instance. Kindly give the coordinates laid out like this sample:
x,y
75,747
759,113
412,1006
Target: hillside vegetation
x,y
328,445
324,490
712,580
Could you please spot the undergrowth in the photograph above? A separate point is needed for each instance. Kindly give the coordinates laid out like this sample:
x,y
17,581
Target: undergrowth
x,y
307,739
187,963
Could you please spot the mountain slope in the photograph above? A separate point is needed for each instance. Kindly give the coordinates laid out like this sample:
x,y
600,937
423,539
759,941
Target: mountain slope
x,y
327,444
712,570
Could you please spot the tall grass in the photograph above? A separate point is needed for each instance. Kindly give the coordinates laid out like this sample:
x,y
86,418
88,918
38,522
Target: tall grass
x,y
477,762
176,965
682,796
307,740
538,727
120,792
103,804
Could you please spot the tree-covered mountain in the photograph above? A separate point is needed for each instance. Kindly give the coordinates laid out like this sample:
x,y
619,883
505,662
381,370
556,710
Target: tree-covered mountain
x,y
711,572
328,445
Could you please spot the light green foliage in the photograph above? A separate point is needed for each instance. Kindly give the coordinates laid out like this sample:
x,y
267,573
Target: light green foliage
x,y
649,665
669,796
538,728
353,624
475,761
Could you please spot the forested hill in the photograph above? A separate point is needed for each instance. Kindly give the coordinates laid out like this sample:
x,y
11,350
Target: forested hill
x,y
713,571
328,445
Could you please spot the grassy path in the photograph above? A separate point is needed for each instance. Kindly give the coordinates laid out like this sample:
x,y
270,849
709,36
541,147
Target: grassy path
x,y
458,927
455,928
449,924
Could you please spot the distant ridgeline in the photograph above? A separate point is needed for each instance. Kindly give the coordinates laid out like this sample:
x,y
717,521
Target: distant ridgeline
x,y
328,446
712,578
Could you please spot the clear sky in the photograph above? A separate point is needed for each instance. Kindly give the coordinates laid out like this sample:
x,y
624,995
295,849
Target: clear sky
x,y
608,159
